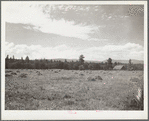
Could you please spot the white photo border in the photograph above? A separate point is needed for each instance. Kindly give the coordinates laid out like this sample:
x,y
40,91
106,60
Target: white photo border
x,y
80,114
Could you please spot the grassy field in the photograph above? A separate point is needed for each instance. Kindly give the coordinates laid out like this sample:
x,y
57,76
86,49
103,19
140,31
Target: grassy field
x,y
72,90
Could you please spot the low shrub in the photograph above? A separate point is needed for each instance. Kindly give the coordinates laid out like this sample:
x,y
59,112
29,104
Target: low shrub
x,y
81,74
91,79
23,75
135,79
98,78
18,71
8,71
39,73
67,96
94,78
8,75
13,73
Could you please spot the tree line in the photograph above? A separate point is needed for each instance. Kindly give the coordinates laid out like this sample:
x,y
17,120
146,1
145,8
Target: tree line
x,y
80,64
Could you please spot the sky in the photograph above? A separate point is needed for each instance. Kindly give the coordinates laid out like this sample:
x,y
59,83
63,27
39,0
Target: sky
x,y
52,31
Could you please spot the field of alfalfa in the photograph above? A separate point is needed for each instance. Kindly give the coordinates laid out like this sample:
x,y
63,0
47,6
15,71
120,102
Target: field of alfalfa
x,y
72,89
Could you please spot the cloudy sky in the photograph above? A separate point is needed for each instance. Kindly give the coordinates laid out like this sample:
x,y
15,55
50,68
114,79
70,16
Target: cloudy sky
x,y
68,30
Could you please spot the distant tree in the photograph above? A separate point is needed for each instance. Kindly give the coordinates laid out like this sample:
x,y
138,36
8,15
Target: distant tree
x,y
130,65
76,66
19,65
22,59
49,65
138,66
28,66
42,65
93,66
81,67
22,63
65,66
115,63
105,66
129,61
37,64
85,66
90,66
13,58
61,65
44,60
109,63
7,58
96,66
81,59
6,61
70,66
40,60
27,59
51,61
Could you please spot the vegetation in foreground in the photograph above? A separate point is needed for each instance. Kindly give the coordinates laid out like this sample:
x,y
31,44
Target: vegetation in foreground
x,y
58,89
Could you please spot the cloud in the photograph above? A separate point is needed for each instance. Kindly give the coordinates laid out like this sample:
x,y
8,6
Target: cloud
x,y
120,52
127,47
9,46
39,17
38,51
96,39
124,52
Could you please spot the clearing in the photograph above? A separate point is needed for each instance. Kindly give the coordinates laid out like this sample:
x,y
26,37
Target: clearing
x,y
56,89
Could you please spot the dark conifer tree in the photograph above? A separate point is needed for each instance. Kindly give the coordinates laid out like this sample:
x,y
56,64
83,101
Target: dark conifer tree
x,y
27,59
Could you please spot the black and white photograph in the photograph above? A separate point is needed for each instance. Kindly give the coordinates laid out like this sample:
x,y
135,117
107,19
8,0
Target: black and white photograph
x,y
75,58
